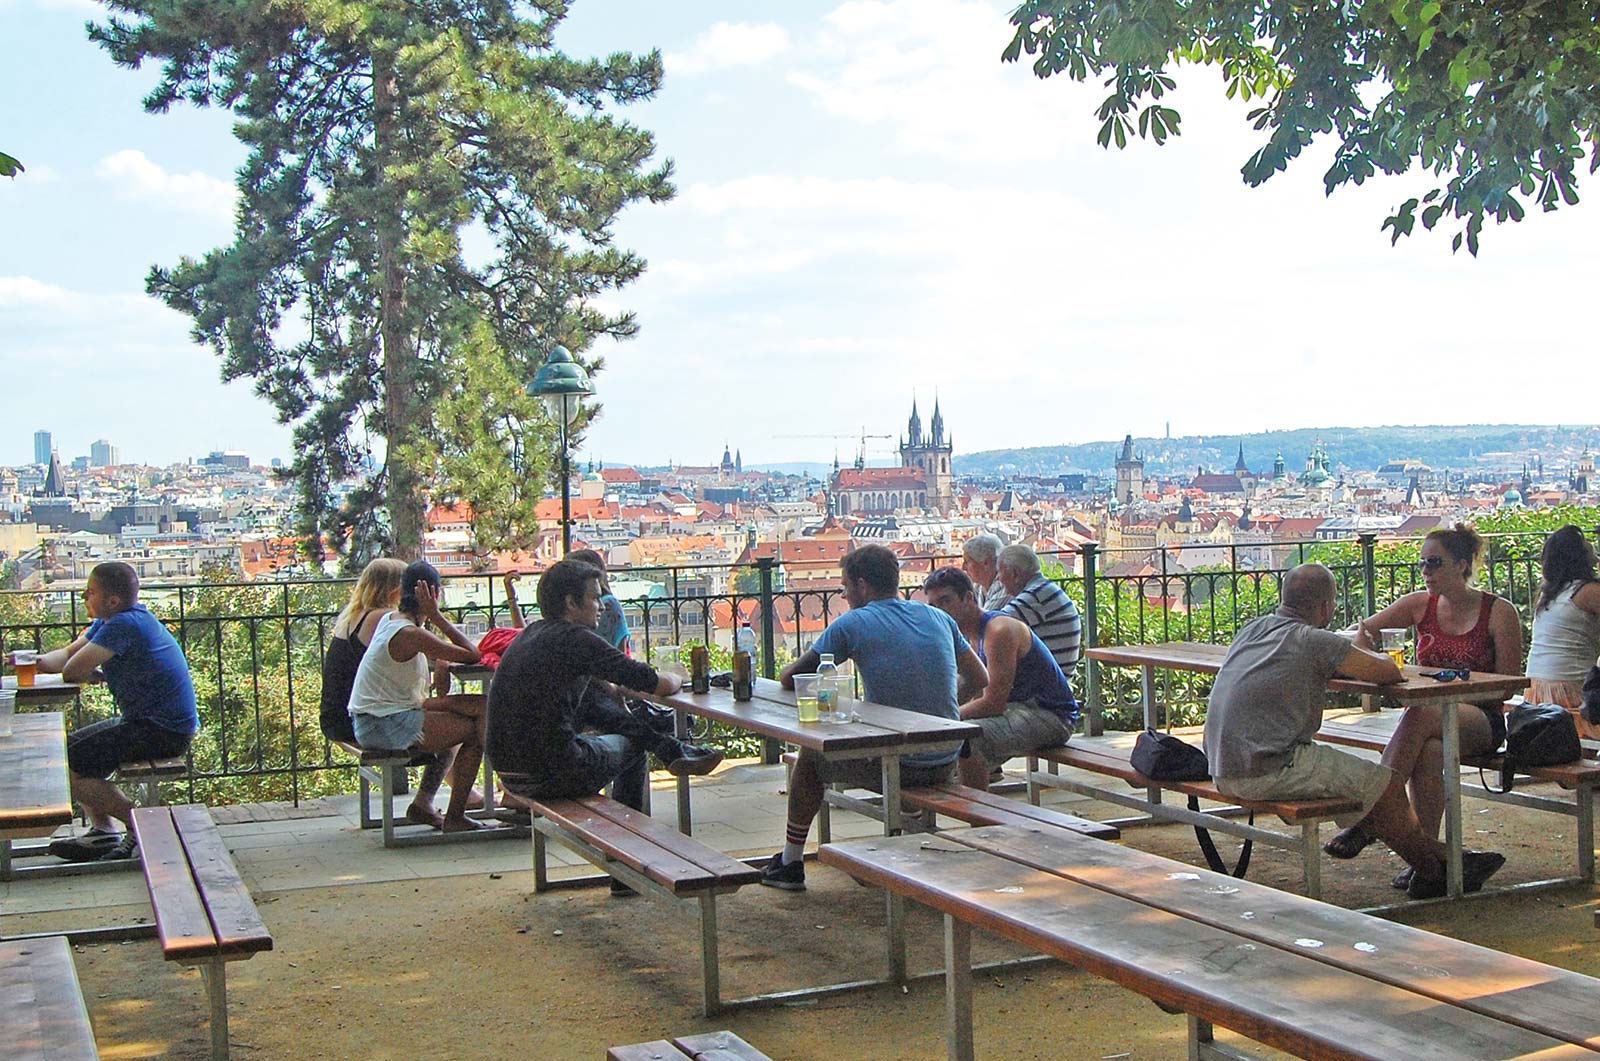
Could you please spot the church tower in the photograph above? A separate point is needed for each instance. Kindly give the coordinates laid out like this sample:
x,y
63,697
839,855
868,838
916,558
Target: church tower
x,y
930,455
1130,474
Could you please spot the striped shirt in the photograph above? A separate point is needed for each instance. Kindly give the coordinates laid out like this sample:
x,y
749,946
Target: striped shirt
x,y
1050,613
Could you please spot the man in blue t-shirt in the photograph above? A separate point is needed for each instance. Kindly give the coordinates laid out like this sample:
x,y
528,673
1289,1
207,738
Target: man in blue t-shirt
x,y
909,656
127,648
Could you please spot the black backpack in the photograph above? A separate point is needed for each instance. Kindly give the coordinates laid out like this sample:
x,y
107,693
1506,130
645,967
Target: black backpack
x,y
1538,735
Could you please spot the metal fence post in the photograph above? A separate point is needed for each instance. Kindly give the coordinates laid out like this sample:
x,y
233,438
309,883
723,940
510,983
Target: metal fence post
x,y
1369,570
1091,638
764,564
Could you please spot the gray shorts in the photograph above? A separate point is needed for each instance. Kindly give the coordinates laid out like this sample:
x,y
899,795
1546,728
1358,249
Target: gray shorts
x,y
1316,771
1021,728
868,774
395,732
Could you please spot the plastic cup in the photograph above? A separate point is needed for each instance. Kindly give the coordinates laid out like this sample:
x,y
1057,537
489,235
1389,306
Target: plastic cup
x,y
667,659
1393,644
8,705
26,662
805,697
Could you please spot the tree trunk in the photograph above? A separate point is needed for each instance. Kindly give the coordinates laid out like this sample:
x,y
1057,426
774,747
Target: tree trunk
x,y
404,495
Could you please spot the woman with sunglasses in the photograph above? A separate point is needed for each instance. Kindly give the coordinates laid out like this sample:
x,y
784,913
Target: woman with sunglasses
x,y
1566,624
1458,628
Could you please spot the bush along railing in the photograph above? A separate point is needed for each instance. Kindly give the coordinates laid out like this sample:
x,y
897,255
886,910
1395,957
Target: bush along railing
x,y
256,648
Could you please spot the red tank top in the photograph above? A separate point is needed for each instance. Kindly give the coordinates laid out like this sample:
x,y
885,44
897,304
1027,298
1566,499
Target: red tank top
x,y
1473,650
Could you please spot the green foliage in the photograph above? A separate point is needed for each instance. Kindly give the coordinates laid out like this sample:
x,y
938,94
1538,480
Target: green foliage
x,y
380,133
9,167
1495,101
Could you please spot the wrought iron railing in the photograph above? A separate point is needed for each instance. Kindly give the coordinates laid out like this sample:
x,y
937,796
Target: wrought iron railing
x,y
256,648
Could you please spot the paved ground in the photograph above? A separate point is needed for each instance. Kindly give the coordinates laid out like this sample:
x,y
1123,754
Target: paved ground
x,y
279,847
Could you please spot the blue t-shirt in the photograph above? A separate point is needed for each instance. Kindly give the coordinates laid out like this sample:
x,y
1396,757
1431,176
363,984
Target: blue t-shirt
x,y
147,675
1038,678
906,653
613,626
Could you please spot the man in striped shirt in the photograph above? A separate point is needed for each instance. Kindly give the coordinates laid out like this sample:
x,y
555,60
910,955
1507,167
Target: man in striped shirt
x,y
1040,603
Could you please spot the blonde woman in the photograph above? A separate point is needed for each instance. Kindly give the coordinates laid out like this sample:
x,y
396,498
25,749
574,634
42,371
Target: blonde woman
x,y
376,593
389,702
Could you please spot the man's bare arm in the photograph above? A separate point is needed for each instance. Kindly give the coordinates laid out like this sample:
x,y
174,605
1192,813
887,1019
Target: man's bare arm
x,y
1366,666
806,664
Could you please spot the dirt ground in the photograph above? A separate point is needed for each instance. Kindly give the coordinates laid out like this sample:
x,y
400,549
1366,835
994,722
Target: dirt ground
x,y
472,967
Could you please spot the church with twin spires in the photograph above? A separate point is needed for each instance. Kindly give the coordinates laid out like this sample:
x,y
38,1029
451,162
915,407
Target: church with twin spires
x,y
923,480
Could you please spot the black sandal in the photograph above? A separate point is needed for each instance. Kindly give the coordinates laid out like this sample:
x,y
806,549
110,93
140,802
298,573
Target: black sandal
x,y
1349,843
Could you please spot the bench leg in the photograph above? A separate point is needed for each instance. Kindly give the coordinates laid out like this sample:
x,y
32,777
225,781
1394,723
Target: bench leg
x,y
5,859
386,801
216,977
711,971
1585,809
541,875
1033,784
365,778
825,820
897,937
1204,1047
958,989
1311,858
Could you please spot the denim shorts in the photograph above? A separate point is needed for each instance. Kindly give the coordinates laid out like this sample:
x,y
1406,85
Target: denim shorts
x,y
395,732
98,749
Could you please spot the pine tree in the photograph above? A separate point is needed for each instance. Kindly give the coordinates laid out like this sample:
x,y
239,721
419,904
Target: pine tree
x,y
429,184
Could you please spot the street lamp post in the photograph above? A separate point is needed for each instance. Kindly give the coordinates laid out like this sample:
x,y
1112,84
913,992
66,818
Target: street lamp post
x,y
563,384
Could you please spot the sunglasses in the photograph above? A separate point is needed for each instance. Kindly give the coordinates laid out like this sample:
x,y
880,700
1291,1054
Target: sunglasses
x,y
1448,675
1431,563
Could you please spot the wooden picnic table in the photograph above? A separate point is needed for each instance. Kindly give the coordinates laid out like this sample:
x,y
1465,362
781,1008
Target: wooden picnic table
x,y
1416,689
46,689
875,732
35,798
1288,971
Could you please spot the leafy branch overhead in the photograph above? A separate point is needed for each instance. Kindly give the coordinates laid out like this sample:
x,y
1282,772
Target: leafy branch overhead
x,y
1496,102
426,208
9,167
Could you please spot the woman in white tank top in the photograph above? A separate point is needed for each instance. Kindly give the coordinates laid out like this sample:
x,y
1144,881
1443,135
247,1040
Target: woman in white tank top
x,y
389,703
1566,625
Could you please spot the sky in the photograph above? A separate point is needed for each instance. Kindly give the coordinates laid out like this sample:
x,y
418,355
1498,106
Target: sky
x,y
871,207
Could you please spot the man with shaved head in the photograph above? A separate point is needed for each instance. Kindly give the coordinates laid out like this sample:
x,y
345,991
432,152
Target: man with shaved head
x,y
1263,716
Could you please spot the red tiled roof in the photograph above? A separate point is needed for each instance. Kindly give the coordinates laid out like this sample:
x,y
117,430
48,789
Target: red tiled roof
x,y
620,475
460,512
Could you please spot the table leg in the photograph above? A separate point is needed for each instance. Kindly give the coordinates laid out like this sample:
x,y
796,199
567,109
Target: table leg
x,y
680,729
958,989
1147,689
896,904
487,767
1451,739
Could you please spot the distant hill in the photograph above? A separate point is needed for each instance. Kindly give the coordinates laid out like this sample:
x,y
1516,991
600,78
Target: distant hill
x,y
1463,447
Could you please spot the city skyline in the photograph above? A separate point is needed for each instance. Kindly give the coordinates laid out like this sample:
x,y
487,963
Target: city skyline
x,y
870,204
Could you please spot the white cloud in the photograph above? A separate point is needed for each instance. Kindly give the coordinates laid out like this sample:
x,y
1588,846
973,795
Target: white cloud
x,y
727,45
138,179
929,73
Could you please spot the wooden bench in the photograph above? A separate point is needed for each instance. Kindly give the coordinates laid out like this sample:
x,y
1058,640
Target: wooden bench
x,y
204,914
971,805
1307,815
705,1046
146,773
383,770
1289,972
648,856
1583,777
978,807
43,1017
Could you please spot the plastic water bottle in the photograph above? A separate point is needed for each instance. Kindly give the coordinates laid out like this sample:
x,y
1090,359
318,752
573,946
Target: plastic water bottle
x,y
745,641
827,689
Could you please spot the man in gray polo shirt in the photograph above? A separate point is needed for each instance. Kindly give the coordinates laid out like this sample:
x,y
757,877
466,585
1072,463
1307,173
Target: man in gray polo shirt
x,y
1263,716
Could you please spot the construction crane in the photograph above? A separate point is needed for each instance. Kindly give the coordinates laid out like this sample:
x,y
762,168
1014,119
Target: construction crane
x,y
861,443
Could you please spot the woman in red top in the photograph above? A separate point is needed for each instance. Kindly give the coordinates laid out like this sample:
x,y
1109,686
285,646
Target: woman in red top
x,y
1457,627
